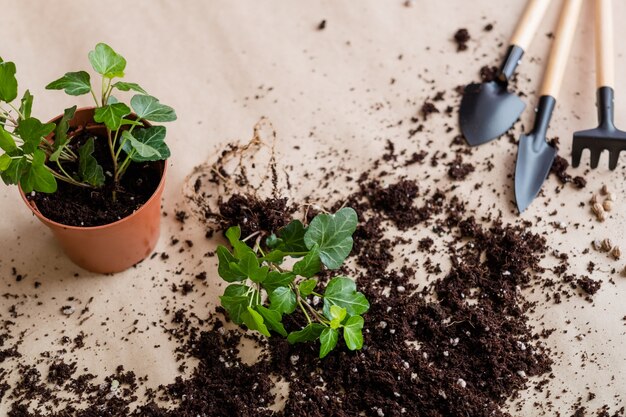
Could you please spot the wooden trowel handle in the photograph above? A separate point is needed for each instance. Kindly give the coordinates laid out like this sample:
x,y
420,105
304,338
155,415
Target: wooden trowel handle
x,y
528,24
605,66
561,46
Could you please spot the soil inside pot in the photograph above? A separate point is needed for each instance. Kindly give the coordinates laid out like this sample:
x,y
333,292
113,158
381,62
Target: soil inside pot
x,y
78,206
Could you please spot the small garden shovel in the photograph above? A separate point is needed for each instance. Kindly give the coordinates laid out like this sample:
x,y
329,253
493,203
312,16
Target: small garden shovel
x,y
606,135
488,110
535,155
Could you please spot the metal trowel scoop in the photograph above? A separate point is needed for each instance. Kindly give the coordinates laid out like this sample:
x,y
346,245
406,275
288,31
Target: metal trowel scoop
x,y
489,109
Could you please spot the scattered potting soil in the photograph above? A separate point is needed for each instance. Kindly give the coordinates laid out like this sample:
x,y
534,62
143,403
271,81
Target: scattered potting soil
x,y
460,344
488,73
559,168
427,109
461,37
79,206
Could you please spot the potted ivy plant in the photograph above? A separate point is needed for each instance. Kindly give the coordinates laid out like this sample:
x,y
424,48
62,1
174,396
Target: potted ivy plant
x,y
93,175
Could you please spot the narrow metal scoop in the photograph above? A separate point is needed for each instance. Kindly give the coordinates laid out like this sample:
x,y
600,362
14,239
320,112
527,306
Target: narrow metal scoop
x,y
488,110
534,155
606,136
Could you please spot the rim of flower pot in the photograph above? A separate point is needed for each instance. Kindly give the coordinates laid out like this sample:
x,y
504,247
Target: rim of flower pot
x,y
33,206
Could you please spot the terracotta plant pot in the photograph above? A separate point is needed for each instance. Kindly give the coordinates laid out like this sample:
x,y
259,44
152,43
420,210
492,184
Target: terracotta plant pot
x,y
112,247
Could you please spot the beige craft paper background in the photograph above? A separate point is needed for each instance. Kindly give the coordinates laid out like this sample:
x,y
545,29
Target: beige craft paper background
x,y
209,59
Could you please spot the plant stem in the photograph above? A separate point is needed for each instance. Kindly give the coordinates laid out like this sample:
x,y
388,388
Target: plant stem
x,y
302,303
115,167
63,170
68,180
123,166
108,91
296,253
117,153
102,92
16,110
308,319
315,314
68,154
250,236
7,116
110,140
93,94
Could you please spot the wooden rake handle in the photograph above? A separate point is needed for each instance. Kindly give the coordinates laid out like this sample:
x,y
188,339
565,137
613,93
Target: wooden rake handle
x,y
529,23
605,66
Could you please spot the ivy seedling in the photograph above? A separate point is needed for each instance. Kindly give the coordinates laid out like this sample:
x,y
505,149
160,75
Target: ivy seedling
x,y
262,290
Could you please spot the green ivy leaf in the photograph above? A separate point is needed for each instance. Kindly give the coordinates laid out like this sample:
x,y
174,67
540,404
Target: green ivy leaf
x,y
292,237
341,291
254,321
249,265
306,287
233,234
128,122
124,86
149,108
111,115
14,172
236,299
5,162
224,268
277,279
272,319
283,300
275,256
148,144
74,83
8,82
309,333
352,332
60,133
32,131
106,61
88,168
333,234
7,143
309,265
26,105
36,177
336,316
273,241
328,340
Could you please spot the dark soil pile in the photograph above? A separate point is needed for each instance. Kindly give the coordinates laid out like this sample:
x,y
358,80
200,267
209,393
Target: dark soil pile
x,y
79,206
461,345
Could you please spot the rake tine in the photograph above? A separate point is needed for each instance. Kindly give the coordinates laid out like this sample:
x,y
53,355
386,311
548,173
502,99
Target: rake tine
x,y
595,157
613,159
577,152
